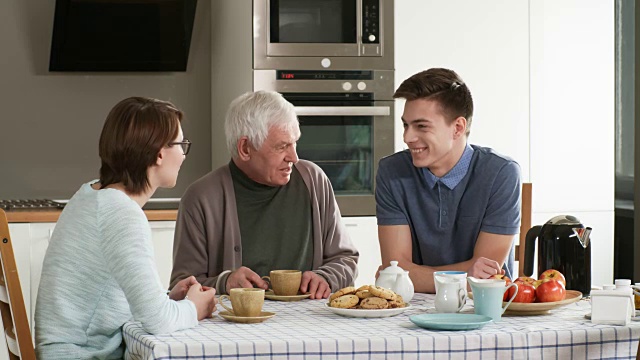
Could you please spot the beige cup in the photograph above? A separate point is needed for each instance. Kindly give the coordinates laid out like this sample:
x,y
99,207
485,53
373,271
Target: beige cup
x,y
285,282
245,302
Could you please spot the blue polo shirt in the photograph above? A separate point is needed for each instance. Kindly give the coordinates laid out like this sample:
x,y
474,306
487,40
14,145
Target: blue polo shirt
x,y
446,215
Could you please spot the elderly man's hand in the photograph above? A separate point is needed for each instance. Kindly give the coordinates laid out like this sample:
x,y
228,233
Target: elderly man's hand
x,y
484,268
180,290
315,284
245,278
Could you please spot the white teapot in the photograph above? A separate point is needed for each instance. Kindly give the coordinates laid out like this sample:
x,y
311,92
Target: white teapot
x,y
396,279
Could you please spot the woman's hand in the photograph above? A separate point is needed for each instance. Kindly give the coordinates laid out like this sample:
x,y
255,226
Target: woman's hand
x,y
204,300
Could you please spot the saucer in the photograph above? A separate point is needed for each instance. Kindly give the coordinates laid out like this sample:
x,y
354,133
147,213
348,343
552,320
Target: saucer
x,y
264,315
450,321
271,296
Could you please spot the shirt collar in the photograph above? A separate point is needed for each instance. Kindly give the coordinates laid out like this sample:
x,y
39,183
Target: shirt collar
x,y
455,175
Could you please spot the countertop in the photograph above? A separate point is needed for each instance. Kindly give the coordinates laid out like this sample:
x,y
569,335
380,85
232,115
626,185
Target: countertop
x,y
52,215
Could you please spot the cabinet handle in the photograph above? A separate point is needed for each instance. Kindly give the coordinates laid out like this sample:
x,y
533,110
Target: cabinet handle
x,y
343,111
351,225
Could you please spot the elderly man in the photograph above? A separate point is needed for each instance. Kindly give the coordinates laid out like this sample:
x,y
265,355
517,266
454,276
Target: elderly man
x,y
263,211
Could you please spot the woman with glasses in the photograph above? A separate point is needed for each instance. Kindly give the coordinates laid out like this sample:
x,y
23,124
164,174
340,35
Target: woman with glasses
x,y
99,269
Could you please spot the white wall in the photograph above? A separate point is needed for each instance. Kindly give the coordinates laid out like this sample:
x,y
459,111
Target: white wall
x,y
486,43
542,77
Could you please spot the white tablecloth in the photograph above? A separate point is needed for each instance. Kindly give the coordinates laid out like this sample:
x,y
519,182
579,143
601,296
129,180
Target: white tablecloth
x,y
306,329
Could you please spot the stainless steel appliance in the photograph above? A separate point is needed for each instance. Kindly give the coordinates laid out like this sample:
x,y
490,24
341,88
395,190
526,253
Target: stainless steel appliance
x,y
318,34
333,59
346,120
564,244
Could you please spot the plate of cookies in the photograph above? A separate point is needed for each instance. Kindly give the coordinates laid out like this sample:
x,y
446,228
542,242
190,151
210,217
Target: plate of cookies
x,y
368,301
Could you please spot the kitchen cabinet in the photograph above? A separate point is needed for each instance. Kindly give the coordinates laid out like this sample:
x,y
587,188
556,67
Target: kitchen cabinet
x,y
567,134
162,237
364,235
38,240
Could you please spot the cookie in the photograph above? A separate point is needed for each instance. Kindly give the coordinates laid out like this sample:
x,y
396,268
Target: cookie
x,y
363,294
349,290
374,303
363,287
345,301
398,302
382,292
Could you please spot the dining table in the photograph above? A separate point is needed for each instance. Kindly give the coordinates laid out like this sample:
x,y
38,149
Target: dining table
x,y
308,329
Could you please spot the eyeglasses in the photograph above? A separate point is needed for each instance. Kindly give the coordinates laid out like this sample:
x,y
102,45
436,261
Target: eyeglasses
x,y
185,144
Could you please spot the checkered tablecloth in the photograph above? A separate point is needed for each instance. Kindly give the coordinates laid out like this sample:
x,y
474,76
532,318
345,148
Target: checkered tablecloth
x,y
306,329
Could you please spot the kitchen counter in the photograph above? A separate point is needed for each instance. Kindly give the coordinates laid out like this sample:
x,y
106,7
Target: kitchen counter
x,y
52,216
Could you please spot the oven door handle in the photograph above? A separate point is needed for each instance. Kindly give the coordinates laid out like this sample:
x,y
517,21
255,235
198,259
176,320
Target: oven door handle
x,y
343,110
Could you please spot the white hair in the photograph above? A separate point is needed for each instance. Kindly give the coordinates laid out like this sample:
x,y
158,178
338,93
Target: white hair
x,y
252,115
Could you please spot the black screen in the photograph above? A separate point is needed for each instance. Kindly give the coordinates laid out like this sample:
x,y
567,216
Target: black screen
x,y
122,35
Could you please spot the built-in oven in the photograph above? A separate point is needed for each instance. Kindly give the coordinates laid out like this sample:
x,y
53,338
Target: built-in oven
x,y
323,34
346,120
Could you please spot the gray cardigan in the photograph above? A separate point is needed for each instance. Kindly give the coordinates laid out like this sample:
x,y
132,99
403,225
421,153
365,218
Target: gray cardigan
x,y
207,240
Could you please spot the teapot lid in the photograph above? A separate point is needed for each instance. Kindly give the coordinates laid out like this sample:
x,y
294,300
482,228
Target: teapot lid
x,y
394,269
564,220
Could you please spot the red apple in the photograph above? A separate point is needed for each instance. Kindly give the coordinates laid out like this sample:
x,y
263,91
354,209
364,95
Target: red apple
x,y
538,282
525,280
526,293
551,290
501,277
555,275
507,282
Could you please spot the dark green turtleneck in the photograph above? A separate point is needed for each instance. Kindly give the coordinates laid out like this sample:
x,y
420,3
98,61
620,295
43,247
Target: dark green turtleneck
x,y
275,223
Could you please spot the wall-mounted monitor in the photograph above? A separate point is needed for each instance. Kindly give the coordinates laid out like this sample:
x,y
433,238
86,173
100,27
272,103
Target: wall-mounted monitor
x,y
122,35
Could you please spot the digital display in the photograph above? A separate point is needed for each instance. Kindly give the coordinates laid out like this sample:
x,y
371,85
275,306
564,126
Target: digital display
x,y
323,75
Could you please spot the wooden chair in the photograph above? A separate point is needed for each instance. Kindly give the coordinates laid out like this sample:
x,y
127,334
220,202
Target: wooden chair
x,y
525,225
14,314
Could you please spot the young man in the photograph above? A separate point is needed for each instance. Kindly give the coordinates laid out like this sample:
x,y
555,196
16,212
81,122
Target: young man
x,y
265,210
444,204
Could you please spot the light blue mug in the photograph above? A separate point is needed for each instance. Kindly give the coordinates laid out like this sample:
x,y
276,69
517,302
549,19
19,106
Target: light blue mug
x,y
488,294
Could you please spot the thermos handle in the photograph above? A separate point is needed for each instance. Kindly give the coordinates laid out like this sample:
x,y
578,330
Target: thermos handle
x,y
530,249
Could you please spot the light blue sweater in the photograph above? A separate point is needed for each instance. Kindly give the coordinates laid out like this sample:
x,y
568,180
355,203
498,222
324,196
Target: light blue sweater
x,y
99,272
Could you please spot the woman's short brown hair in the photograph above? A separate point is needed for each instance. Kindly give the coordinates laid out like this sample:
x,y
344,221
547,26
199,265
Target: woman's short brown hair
x,y
443,86
135,131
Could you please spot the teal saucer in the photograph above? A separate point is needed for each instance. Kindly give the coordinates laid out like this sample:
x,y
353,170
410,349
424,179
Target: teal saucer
x,y
450,321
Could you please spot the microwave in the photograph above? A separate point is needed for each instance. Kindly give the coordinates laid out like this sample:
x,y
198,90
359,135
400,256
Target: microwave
x,y
323,34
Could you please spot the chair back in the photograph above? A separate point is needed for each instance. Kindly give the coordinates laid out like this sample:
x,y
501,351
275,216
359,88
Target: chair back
x,y
525,224
12,309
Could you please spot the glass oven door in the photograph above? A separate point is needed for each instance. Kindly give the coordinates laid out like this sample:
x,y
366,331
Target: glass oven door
x,y
346,139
